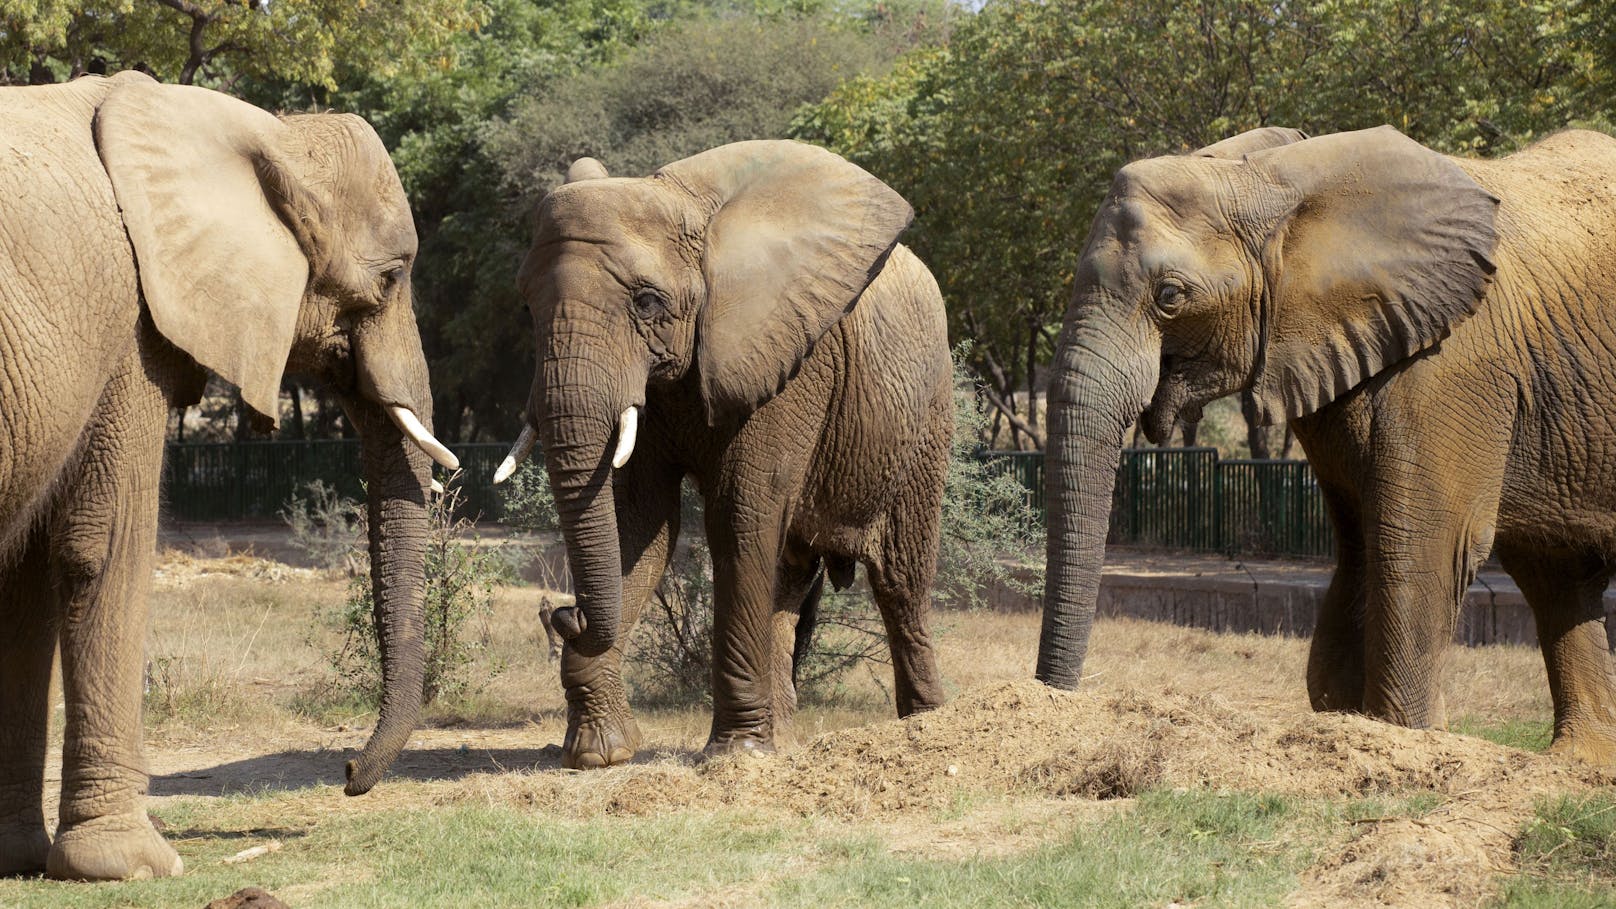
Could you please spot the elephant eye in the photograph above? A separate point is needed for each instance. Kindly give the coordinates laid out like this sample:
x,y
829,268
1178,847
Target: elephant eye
x,y
648,304
1169,298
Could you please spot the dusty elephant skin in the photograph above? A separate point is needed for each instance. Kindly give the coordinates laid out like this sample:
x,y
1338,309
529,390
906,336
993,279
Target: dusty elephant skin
x,y
1437,330
743,317
151,230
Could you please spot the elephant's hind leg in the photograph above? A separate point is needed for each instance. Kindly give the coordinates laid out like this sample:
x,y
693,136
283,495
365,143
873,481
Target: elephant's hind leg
x,y
901,579
102,537
28,623
1566,593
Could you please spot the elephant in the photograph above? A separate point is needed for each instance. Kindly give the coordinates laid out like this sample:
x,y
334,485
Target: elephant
x,y
752,302
152,232
1433,328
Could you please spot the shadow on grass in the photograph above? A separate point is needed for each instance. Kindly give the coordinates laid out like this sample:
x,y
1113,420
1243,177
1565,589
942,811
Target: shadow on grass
x,y
291,770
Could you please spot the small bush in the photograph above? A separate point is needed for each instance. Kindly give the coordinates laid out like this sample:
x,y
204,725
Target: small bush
x,y
988,521
527,502
326,526
460,578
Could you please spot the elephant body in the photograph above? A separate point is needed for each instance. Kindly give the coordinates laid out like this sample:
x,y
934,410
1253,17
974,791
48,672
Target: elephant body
x,y
91,210
1489,443
791,359
1437,331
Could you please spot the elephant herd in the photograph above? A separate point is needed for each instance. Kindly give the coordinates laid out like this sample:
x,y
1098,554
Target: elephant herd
x,y
1439,332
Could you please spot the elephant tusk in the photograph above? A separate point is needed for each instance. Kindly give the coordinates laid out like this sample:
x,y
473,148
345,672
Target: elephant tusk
x,y
408,424
437,487
519,452
627,424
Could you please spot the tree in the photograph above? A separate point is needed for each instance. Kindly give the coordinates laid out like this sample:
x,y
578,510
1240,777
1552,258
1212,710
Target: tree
x,y
218,40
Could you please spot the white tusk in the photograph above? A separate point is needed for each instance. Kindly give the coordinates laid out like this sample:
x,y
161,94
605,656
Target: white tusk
x,y
519,452
408,424
437,487
627,423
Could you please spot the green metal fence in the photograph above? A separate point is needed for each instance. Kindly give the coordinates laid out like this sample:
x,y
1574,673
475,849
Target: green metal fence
x,y
1181,498
1189,498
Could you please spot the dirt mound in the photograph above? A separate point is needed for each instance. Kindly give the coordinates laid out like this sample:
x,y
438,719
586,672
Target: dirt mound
x,y
1027,738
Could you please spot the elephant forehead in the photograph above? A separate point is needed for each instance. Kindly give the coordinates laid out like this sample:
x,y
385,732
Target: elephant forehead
x,y
604,210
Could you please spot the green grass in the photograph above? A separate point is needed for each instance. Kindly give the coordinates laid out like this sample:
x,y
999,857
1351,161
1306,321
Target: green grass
x,y
1206,848
1567,855
1527,735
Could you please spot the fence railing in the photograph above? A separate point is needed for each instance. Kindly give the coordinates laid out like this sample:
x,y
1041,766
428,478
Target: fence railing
x,y
1180,498
1189,498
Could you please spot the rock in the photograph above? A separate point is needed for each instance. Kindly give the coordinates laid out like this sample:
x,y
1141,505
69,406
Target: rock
x,y
247,898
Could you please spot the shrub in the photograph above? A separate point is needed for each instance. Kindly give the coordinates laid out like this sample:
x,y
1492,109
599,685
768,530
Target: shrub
x,y
990,527
526,502
326,526
460,578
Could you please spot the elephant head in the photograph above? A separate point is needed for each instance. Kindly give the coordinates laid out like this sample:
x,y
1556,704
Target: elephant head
x,y
726,268
269,243
1294,268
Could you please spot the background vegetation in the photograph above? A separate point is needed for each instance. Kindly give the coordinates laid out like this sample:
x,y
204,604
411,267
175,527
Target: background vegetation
x,y
1002,123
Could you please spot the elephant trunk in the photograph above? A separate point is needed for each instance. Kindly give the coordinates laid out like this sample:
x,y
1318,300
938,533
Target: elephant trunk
x,y
396,477
1096,392
577,428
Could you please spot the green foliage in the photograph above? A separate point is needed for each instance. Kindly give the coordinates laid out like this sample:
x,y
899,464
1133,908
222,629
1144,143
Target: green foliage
x,y
221,40
460,579
688,87
526,502
991,534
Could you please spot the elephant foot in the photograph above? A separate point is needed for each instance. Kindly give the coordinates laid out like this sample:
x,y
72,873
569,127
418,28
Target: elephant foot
x,y
600,743
23,850
1596,748
119,847
737,744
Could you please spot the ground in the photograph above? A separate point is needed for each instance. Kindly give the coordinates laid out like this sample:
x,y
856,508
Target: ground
x,y
1188,771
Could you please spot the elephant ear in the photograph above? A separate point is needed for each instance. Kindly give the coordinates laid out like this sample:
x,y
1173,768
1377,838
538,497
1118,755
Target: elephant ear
x,y
1252,140
222,275
796,235
1380,248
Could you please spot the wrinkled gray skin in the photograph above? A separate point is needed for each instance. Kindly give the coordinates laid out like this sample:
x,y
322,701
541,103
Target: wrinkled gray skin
x,y
1438,332
788,356
148,229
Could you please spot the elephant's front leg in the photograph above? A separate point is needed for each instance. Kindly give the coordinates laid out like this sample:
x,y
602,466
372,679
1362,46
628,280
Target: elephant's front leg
x,y
1421,556
600,726
27,644
1335,658
102,538
746,658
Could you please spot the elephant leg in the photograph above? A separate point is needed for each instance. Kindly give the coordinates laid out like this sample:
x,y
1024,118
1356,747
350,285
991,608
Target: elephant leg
x,y
901,579
28,623
600,726
746,657
102,540
797,591
1419,566
1566,592
1335,658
